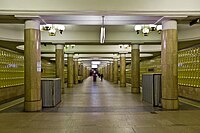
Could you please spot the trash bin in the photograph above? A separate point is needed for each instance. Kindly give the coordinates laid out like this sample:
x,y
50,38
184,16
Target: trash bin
x,y
51,91
151,89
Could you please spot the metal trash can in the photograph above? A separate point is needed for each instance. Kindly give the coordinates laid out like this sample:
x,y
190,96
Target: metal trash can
x,y
51,91
151,89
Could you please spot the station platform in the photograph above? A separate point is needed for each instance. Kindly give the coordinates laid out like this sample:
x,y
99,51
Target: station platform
x,y
101,107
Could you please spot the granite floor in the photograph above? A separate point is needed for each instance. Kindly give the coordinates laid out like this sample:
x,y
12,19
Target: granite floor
x,y
101,107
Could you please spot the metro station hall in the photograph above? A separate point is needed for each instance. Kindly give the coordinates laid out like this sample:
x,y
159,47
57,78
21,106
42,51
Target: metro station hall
x,y
97,66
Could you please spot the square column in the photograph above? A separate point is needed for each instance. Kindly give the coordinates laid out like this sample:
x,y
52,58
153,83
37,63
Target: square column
x,y
135,69
32,63
169,64
122,70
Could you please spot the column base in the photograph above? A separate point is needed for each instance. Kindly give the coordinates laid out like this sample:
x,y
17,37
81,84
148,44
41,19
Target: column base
x,y
69,85
122,85
171,104
115,82
63,91
135,90
33,106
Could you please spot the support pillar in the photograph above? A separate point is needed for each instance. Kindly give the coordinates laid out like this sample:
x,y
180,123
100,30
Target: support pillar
x,y
108,71
111,71
122,70
60,64
32,63
75,71
169,63
115,72
135,69
70,75
105,73
81,71
86,72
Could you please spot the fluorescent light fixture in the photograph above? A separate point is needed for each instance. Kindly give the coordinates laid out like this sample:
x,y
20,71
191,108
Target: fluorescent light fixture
x,y
55,59
96,62
94,66
103,35
103,32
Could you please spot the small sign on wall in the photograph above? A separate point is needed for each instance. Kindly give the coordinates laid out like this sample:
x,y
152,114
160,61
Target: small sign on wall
x,y
150,69
39,66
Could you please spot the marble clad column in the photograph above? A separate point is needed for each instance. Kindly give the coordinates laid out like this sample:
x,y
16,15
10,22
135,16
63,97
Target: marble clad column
x,y
169,63
81,70
103,69
76,71
115,71
105,72
32,64
108,71
111,71
122,70
70,71
86,72
135,69
60,64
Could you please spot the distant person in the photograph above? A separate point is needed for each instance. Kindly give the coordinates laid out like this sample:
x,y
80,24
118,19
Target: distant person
x,y
94,77
101,77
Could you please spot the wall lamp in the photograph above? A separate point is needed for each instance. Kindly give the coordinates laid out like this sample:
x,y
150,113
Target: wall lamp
x,y
52,28
146,29
125,46
70,46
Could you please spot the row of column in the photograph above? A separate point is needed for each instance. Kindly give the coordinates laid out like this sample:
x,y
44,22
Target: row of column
x,y
32,63
74,70
169,62
32,79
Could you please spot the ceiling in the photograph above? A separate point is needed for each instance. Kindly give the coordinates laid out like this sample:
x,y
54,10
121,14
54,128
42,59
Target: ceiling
x,y
90,23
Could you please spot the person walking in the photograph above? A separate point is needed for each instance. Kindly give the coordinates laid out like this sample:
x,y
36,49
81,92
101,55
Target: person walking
x,y
101,77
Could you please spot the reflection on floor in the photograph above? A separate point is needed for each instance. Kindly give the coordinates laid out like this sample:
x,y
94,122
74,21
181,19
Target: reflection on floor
x,y
101,107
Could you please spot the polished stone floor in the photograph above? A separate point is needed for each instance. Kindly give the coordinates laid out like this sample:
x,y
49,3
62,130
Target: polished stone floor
x,y
101,107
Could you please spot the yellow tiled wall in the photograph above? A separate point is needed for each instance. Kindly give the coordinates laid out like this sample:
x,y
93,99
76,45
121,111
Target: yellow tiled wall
x,y
150,66
11,68
48,69
189,67
12,74
188,71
